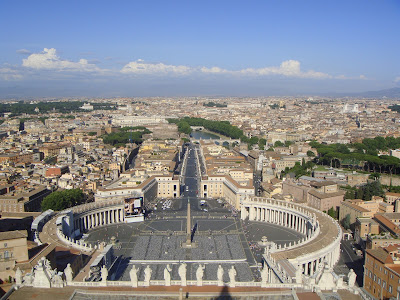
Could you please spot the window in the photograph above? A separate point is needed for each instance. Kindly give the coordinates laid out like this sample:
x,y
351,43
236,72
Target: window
x,y
5,245
383,284
370,274
374,277
390,289
379,281
6,254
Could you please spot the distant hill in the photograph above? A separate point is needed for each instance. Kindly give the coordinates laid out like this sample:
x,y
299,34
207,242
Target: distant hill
x,y
393,93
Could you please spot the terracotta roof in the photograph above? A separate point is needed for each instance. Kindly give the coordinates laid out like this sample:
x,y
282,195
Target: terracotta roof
x,y
392,194
387,223
381,255
325,195
16,234
355,206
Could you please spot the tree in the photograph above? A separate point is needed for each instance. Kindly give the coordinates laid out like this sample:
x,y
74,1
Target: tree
x,y
261,143
310,153
346,222
288,143
60,200
375,176
278,144
332,213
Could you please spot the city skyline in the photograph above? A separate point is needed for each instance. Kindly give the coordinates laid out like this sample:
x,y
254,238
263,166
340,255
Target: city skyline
x,y
180,49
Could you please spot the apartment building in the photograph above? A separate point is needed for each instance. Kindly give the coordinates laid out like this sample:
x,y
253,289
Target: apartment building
x,y
382,271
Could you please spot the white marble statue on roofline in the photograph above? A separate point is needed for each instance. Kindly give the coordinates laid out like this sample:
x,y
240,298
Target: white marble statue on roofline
x,y
199,275
104,273
133,275
232,276
220,276
167,275
264,276
147,275
68,273
18,277
352,278
182,274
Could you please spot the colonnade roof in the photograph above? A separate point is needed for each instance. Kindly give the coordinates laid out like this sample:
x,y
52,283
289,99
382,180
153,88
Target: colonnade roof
x,y
328,233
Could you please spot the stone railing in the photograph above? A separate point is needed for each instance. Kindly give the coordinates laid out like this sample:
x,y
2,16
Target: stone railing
x,y
77,244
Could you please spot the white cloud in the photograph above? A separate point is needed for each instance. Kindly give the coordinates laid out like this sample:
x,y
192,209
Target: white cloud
x,y
141,67
397,79
23,51
360,77
48,60
9,74
288,68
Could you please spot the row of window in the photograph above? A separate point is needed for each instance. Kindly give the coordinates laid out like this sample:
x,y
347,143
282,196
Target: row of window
x,y
379,281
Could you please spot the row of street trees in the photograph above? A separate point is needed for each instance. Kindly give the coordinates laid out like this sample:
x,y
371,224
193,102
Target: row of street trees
x,y
362,156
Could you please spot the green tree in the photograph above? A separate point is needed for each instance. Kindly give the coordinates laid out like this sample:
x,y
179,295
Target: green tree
x,y
346,222
332,213
310,153
278,144
288,143
375,176
60,200
261,143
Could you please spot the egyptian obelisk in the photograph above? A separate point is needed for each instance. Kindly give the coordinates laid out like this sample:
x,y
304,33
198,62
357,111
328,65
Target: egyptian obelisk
x,y
188,243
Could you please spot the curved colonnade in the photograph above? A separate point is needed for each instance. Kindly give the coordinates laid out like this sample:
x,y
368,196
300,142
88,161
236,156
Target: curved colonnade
x,y
84,217
321,242
322,235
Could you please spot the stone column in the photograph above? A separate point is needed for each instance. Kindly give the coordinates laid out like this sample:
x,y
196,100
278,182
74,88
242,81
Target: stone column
x,y
251,213
242,213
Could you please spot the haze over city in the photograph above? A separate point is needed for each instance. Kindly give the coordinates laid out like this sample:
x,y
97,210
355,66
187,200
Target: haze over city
x,y
179,48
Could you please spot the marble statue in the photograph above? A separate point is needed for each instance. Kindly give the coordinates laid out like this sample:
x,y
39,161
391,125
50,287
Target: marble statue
x,y
147,275
18,276
352,278
199,275
42,277
104,273
28,278
339,282
167,275
232,276
68,273
220,275
264,276
57,280
133,275
182,274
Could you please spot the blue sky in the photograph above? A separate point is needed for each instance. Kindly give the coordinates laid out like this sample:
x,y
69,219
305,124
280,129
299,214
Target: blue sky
x,y
175,48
